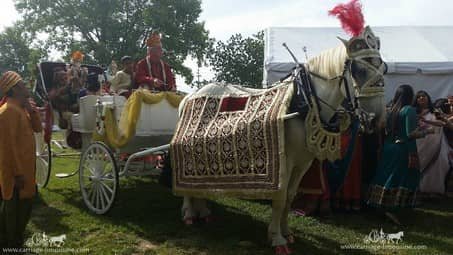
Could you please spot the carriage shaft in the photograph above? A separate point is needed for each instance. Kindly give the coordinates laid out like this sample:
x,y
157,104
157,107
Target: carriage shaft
x,y
140,154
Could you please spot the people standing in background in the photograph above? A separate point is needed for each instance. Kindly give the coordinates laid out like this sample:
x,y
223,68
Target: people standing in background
x,y
397,176
445,107
433,150
313,195
349,194
19,118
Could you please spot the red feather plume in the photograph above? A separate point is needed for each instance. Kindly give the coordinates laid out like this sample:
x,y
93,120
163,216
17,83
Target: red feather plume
x,y
350,16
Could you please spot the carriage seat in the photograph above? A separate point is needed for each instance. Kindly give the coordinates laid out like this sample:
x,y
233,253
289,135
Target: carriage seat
x,y
154,119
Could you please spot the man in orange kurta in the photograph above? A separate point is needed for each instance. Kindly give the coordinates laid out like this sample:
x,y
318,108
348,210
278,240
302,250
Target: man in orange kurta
x,y
152,72
18,120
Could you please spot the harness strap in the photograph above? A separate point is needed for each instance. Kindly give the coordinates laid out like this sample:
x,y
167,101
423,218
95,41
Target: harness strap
x,y
352,99
306,87
324,78
352,105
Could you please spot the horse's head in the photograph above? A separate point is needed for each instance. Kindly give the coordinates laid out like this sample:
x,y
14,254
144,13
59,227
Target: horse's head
x,y
367,71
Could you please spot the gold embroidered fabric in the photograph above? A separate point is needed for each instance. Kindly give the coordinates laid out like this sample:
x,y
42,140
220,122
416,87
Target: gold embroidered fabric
x,y
322,143
237,152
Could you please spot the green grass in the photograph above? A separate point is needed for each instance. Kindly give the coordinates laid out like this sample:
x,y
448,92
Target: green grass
x,y
146,220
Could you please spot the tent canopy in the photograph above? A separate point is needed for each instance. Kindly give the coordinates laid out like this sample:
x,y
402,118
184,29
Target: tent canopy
x,y
421,56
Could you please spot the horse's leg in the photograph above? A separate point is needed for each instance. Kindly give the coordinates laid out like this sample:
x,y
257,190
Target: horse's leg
x,y
298,160
294,182
188,212
274,230
278,209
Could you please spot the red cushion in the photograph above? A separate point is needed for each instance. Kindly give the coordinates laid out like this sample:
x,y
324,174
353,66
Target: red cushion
x,y
232,104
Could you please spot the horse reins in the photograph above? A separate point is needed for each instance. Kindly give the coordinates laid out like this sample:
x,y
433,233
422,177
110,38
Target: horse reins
x,y
352,103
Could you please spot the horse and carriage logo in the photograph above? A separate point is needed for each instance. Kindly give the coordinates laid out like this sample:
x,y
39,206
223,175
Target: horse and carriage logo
x,y
375,237
45,241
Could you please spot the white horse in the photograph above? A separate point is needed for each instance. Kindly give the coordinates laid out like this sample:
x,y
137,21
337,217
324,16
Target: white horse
x,y
395,237
58,241
356,67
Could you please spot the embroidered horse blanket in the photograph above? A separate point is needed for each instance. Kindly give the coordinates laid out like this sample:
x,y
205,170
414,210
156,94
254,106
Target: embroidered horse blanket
x,y
230,141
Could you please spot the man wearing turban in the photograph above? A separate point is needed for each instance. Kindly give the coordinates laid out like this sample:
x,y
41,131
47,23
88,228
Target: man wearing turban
x,y
152,72
18,119
77,74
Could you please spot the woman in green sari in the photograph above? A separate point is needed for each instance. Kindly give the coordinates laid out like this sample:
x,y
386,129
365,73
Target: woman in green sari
x,y
397,175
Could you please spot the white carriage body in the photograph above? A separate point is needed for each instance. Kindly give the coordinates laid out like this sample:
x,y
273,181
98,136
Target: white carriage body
x,y
155,126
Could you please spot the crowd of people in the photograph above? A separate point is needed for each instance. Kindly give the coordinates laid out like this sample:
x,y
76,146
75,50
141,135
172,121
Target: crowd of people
x,y
411,161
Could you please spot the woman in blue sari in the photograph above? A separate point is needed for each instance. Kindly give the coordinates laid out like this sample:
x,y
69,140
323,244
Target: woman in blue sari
x,y
397,175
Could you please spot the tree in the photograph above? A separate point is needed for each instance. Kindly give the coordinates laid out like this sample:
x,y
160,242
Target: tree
x,y
239,60
109,29
18,52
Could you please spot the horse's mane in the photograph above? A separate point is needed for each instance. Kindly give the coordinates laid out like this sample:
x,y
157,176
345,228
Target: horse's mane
x,y
330,63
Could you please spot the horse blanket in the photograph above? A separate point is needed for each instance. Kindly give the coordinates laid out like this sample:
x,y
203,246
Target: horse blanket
x,y
230,140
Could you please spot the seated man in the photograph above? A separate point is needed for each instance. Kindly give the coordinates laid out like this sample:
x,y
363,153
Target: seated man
x,y
93,86
59,81
61,96
122,82
152,72
66,87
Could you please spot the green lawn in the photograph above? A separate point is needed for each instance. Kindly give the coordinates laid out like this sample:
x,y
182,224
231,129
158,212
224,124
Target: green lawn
x,y
146,220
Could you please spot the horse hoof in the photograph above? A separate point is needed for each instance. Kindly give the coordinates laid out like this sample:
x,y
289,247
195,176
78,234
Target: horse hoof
x,y
282,250
290,239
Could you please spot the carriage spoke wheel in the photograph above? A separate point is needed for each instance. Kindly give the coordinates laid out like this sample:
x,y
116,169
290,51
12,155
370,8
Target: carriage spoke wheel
x,y
43,165
98,178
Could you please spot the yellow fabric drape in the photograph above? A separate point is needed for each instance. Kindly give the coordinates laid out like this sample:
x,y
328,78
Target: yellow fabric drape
x,y
118,137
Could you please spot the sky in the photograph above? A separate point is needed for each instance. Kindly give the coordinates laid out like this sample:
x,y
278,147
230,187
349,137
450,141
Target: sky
x,y
224,18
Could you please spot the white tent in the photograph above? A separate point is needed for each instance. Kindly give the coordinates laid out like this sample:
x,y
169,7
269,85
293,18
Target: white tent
x,y
419,56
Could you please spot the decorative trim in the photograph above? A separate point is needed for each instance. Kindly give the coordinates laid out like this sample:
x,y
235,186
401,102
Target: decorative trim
x,y
322,143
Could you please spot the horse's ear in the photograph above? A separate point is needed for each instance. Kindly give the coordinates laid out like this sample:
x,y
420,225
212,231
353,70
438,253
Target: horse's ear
x,y
345,42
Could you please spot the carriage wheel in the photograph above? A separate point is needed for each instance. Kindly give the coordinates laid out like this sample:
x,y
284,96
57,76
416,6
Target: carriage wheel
x,y
43,165
98,178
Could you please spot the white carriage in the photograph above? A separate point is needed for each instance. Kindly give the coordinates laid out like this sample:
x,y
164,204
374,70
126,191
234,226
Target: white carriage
x,y
102,165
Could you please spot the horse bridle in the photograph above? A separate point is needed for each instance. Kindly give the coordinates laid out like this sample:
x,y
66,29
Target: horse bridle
x,y
352,103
